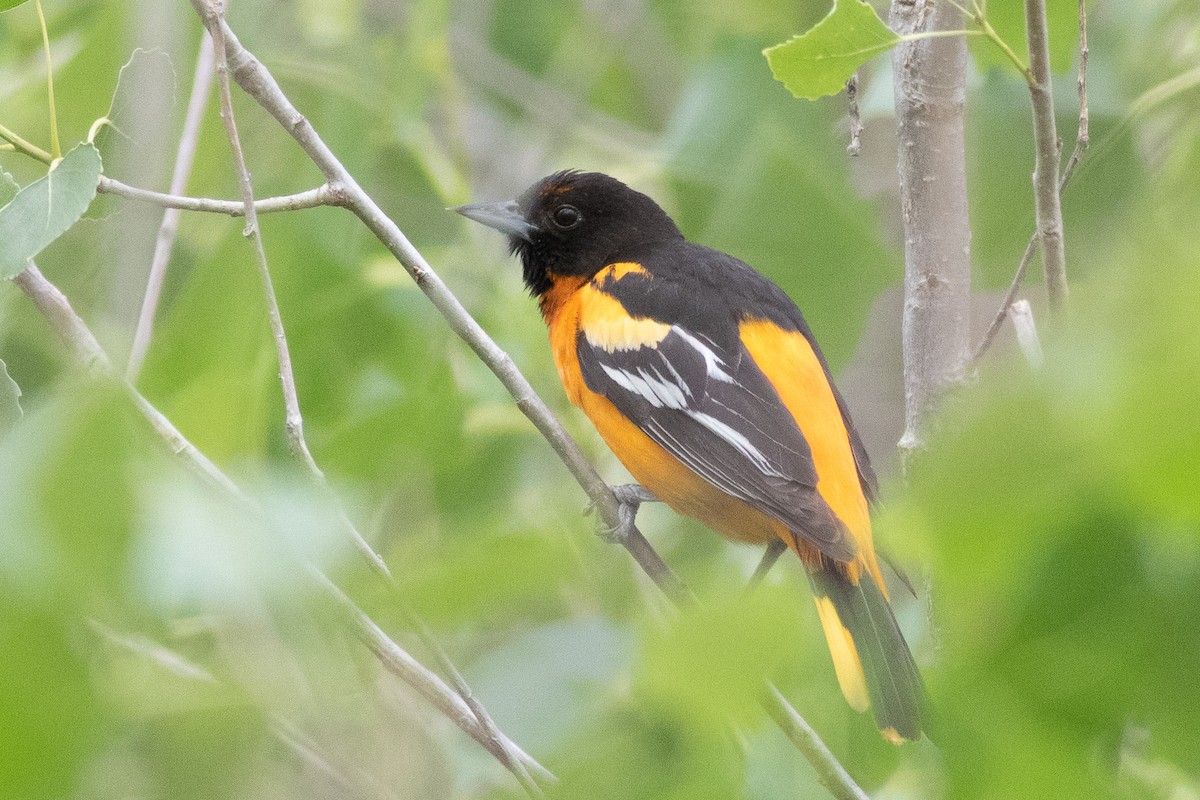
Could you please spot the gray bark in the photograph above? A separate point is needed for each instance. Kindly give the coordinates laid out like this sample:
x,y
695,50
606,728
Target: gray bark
x,y
930,98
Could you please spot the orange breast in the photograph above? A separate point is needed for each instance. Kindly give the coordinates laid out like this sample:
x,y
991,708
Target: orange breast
x,y
651,465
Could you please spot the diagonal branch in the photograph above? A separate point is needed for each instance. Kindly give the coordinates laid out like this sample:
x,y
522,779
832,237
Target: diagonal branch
x,y
295,422
84,347
163,243
258,82
830,772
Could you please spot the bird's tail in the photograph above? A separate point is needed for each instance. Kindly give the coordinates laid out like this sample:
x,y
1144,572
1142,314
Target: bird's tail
x,y
874,666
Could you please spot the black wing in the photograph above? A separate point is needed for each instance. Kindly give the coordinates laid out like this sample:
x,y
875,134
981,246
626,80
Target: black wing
x,y
706,290
721,417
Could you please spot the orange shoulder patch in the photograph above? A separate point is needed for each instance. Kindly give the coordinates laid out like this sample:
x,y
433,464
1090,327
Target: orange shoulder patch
x,y
619,270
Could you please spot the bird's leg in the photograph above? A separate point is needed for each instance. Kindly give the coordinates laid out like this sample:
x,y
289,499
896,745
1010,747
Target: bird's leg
x,y
630,497
775,549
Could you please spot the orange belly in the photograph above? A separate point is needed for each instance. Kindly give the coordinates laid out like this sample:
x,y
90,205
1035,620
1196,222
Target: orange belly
x,y
651,465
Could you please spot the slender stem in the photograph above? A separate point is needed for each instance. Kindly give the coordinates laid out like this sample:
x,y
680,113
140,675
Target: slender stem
x,y
164,242
1022,267
55,147
978,14
485,719
397,661
294,422
1081,144
830,772
1082,138
310,198
1047,199
28,148
990,32
919,35
83,345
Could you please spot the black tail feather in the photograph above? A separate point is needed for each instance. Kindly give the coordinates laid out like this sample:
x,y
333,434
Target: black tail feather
x,y
894,686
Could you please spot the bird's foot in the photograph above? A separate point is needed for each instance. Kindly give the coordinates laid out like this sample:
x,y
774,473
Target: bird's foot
x,y
775,548
630,497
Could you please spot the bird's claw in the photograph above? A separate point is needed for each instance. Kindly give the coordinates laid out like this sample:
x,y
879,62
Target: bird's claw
x,y
630,497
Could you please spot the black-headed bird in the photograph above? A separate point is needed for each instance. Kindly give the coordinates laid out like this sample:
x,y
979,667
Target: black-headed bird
x,y
703,378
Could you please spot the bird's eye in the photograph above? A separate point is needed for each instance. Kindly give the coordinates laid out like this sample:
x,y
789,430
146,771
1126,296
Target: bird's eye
x,y
566,217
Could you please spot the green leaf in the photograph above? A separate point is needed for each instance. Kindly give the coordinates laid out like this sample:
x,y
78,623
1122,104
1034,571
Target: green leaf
x,y
1008,19
818,63
6,5
10,404
47,208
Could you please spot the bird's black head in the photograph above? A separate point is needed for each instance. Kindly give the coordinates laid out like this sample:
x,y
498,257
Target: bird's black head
x,y
575,223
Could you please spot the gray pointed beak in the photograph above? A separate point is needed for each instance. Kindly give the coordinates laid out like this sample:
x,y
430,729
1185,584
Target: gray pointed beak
x,y
505,217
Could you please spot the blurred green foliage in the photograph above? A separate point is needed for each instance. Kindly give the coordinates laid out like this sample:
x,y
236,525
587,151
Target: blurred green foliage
x,y
158,639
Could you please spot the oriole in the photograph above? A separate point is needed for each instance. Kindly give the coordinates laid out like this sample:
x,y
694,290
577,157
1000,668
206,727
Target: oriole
x,y
703,378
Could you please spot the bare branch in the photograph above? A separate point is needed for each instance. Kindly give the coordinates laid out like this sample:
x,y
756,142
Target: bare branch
x,y
397,661
1046,196
79,339
1081,144
184,155
512,761
830,772
295,422
311,198
258,82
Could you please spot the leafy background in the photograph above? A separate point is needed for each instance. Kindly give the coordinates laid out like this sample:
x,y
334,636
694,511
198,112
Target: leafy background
x,y
156,642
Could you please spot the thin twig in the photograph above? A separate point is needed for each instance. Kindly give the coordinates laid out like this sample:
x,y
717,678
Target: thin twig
x,y
830,772
397,661
1046,196
294,424
512,761
23,146
1082,140
1081,83
856,126
324,195
184,156
87,351
55,147
79,339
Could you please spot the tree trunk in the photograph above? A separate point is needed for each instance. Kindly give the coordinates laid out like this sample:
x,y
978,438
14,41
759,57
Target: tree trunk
x,y
930,99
